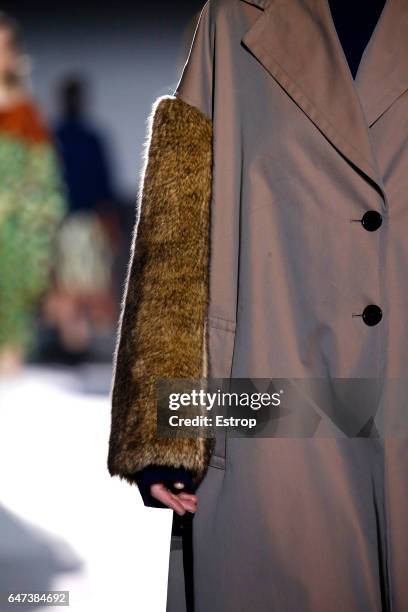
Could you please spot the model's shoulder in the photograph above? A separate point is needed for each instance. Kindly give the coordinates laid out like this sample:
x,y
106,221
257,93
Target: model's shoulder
x,y
221,7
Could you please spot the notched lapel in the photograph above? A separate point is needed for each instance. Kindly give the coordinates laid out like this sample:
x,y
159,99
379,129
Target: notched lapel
x,y
296,41
383,73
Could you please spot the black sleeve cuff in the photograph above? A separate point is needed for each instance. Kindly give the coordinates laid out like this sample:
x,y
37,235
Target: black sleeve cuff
x,y
167,475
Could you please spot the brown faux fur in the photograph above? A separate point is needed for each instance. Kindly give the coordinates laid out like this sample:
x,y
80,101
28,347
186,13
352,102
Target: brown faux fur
x,y
163,321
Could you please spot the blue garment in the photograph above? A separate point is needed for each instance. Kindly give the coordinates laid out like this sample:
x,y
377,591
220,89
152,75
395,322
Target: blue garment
x,y
165,475
355,22
84,161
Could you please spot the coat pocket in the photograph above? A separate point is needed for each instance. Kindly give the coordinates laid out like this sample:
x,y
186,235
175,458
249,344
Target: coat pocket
x,y
221,338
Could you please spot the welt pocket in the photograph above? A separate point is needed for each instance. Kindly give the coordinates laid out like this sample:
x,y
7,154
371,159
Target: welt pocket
x,y
221,334
217,460
221,340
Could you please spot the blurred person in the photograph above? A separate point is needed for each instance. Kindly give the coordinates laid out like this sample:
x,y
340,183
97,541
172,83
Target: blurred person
x,y
83,303
31,202
83,152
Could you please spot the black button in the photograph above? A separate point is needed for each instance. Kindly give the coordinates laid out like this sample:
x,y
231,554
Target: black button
x,y
372,314
371,220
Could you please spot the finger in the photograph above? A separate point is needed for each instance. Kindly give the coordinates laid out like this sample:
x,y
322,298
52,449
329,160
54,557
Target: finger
x,y
191,509
156,489
159,492
189,506
187,496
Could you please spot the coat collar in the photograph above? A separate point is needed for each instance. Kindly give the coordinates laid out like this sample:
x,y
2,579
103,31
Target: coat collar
x,y
296,41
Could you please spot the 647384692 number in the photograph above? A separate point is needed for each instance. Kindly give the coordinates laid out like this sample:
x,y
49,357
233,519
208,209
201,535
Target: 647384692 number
x,y
43,598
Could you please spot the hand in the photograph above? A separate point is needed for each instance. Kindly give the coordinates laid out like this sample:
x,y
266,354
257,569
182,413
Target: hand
x,y
179,502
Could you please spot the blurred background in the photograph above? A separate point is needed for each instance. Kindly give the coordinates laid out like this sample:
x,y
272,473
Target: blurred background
x,y
76,87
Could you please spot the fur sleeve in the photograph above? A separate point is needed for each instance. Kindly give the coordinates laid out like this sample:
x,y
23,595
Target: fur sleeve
x,y
163,319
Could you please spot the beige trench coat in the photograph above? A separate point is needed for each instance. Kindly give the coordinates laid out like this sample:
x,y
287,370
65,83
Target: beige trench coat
x,y
300,152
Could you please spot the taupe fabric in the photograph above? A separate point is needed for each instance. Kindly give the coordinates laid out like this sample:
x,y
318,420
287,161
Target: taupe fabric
x,y
300,153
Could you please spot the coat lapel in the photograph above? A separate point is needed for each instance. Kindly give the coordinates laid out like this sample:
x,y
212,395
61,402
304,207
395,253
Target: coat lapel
x,y
296,41
383,73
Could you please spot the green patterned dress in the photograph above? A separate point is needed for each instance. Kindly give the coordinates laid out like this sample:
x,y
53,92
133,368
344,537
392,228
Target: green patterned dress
x,y
32,204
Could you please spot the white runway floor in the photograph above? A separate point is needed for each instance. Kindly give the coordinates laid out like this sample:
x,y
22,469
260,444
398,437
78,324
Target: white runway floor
x,y
65,524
